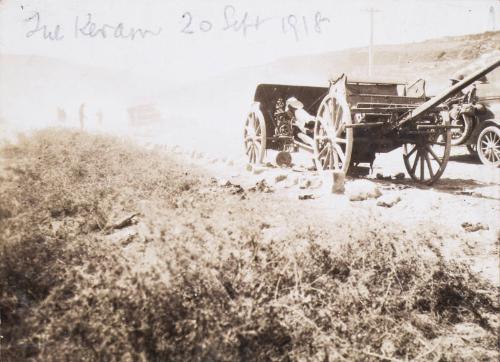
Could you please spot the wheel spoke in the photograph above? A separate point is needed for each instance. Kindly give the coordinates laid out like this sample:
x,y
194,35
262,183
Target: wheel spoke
x,y
341,140
412,151
336,160
340,153
496,154
489,155
254,120
331,159
328,160
338,118
321,154
422,166
438,160
429,165
327,108
414,167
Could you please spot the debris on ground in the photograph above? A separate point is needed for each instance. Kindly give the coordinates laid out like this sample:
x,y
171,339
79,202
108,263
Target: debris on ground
x,y
304,183
280,178
306,197
399,176
261,186
258,170
470,227
388,200
124,222
359,190
380,176
234,188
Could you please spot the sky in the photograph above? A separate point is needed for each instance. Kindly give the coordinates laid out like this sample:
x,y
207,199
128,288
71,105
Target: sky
x,y
191,39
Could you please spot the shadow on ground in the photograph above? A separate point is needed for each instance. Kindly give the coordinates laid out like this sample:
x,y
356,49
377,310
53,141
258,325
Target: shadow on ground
x,y
470,159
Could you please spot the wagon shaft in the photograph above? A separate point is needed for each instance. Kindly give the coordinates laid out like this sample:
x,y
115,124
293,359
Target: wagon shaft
x,y
437,100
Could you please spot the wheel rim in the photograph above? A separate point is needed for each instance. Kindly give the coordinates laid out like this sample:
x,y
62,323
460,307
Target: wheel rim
x,y
426,159
332,140
254,137
488,146
459,135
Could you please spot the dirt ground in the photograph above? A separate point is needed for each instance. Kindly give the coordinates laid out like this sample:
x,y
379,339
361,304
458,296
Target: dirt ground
x,y
462,209
110,251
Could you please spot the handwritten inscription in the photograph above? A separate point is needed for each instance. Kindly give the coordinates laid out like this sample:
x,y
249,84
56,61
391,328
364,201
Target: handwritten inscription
x,y
43,30
87,27
91,29
298,26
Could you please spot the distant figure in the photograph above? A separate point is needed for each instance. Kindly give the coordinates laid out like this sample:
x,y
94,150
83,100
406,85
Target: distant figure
x,y
99,117
82,116
61,115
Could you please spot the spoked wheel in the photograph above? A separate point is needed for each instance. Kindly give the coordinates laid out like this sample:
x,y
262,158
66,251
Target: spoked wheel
x,y
488,146
460,135
426,159
254,137
332,144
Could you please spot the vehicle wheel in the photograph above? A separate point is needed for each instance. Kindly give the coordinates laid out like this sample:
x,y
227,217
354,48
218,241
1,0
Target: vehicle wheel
x,y
333,141
426,159
488,146
254,137
460,135
472,149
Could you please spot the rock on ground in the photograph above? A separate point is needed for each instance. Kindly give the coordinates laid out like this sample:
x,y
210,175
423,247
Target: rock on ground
x,y
388,200
359,190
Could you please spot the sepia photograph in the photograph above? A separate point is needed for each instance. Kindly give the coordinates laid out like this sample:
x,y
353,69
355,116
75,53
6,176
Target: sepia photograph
x,y
235,180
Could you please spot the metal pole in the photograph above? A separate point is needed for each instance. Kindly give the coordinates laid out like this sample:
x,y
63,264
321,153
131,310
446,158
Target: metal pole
x,y
372,11
370,49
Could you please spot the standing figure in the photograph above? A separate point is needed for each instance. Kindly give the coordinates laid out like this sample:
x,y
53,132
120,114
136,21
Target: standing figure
x,y
61,115
99,117
82,116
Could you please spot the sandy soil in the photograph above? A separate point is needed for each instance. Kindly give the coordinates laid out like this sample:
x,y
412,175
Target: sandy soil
x,y
462,210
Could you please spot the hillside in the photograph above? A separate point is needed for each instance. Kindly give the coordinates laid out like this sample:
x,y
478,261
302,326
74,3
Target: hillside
x,y
209,113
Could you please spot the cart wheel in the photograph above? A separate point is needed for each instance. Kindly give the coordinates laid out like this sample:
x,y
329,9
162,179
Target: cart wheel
x,y
254,137
472,149
488,146
332,140
426,159
460,135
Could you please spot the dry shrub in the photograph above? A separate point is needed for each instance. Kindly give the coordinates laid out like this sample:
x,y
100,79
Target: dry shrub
x,y
205,279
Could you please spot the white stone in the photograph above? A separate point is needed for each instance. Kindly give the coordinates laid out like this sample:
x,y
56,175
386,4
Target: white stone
x,y
388,200
359,190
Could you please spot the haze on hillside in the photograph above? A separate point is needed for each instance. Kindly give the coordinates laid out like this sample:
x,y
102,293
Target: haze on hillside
x,y
201,85
184,51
